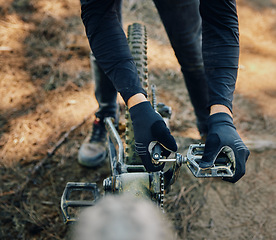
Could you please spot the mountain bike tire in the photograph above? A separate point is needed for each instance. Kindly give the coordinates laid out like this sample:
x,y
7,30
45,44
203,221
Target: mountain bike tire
x,y
137,40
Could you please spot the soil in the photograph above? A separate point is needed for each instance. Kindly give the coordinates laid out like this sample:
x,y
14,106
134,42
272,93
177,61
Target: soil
x,y
47,106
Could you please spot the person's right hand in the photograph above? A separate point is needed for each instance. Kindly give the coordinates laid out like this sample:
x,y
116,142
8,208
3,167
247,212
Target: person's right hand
x,y
222,134
149,126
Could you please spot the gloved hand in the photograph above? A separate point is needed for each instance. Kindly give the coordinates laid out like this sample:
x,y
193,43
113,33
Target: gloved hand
x,y
149,126
222,133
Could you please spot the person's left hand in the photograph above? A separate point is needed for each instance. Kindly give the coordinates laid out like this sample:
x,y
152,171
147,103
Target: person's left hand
x,y
222,134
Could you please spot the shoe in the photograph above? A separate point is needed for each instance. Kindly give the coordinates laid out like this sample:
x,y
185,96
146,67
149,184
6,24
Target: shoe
x,y
93,153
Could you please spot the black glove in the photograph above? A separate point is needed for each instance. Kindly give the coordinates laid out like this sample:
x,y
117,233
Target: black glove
x,y
222,133
149,126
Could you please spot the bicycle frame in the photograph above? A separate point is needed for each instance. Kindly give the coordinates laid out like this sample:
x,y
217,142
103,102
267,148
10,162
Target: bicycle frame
x,y
134,180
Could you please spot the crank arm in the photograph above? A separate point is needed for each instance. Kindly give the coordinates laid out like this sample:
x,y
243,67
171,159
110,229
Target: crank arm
x,y
178,159
67,203
155,150
223,166
172,173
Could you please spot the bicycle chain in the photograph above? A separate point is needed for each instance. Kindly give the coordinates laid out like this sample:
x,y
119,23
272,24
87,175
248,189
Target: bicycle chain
x,y
162,191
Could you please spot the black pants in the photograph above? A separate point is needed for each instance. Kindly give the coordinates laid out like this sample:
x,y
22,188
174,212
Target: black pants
x,y
182,21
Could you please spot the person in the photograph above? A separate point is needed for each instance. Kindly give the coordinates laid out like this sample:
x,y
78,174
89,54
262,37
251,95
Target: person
x,y
210,72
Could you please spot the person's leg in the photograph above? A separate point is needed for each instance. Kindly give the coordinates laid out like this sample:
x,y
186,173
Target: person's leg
x,y
105,92
183,26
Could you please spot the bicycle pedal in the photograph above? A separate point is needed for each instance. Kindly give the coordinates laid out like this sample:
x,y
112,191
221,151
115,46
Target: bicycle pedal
x,y
84,190
223,166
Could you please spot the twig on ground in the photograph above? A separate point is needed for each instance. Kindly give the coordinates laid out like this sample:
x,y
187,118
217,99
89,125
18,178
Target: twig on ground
x,y
183,192
50,153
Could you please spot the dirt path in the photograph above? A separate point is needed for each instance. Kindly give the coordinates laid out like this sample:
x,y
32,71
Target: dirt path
x,y
45,90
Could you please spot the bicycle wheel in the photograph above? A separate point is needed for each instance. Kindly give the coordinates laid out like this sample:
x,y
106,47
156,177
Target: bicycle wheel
x,y
137,40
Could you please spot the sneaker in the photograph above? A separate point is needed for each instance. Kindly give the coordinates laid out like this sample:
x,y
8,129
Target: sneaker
x,y
93,153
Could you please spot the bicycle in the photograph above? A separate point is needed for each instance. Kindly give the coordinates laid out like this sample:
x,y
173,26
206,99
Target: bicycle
x,y
128,175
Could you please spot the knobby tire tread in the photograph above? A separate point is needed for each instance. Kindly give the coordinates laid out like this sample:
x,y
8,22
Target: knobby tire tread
x,y
137,40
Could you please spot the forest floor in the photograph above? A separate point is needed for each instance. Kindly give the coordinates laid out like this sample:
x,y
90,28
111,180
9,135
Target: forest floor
x,y
46,93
